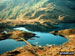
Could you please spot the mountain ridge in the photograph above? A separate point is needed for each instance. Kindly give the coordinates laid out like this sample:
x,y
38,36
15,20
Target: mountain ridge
x,y
41,9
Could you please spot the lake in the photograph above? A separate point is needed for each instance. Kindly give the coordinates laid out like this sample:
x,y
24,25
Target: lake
x,y
44,39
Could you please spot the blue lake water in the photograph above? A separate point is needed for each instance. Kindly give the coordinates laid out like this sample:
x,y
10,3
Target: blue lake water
x,y
44,39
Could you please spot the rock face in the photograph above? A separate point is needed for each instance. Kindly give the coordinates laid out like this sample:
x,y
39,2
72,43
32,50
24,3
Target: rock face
x,y
17,35
38,9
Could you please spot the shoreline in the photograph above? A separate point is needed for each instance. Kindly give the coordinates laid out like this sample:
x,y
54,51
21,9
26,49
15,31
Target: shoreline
x,y
47,49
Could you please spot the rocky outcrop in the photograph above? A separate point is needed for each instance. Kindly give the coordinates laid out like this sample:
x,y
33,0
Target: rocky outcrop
x,y
17,35
64,32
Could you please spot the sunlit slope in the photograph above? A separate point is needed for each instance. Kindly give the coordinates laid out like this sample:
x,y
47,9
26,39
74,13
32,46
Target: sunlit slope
x,y
38,9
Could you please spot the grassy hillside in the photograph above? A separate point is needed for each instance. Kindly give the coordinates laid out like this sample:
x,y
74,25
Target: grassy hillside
x,y
38,9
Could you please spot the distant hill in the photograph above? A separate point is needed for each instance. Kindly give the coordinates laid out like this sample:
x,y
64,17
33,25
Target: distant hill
x,y
59,10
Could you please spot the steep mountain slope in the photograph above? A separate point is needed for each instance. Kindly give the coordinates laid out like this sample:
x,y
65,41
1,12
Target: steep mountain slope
x,y
14,8
38,9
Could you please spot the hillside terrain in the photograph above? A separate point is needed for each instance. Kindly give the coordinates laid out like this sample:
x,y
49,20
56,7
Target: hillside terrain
x,y
38,16
53,10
